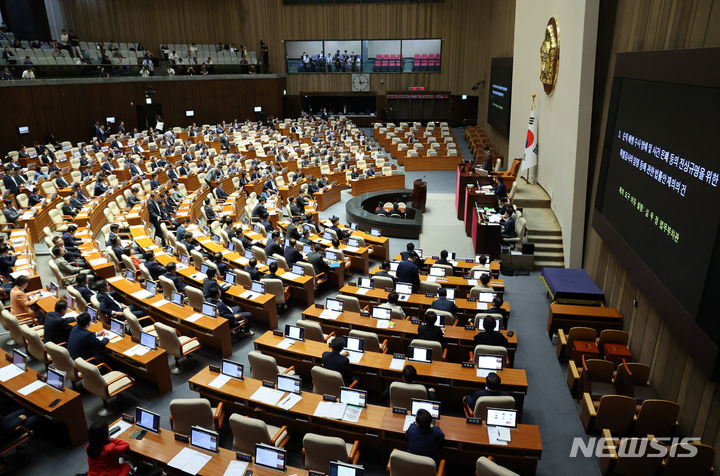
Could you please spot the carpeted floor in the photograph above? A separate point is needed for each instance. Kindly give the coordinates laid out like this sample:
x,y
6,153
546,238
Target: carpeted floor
x,y
548,403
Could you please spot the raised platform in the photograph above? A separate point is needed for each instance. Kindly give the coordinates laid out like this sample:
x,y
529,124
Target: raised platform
x,y
357,211
543,227
413,164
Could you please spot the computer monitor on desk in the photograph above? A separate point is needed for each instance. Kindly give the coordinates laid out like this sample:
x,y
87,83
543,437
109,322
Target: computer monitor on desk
x,y
420,354
147,420
270,456
431,406
232,369
204,439
501,417
381,313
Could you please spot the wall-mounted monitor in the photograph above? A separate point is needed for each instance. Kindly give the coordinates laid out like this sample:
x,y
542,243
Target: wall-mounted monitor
x,y
257,109
110,120
499,94
23,130
189,113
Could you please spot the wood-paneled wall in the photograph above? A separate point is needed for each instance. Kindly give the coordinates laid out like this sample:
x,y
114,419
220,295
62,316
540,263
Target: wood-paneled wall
x,y
636,26
473,31
70,110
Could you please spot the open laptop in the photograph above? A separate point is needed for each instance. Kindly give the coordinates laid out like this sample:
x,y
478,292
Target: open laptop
x,y
366,283
355,346
438,271
147,420
333,309
294,332
299,270
375,231
289,383
208,309
432,406
151,287
229,281
353,226
420,354
501,420
56,379
177,298
477,274
488,363
404,290
232,369
204,439
117,328
381,313
353,396
130,275
270,456
92,313
148,340
19,359
353,242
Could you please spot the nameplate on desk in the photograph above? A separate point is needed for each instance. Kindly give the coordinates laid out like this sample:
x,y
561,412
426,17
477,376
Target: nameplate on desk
x,y
399,356
182,438
243,457
389,290
278,333
469,328
329,398
415,320
364,314
429,295
128,418
319,306
214,368
472,299
474,421
400,411
469,260
268,384
468,365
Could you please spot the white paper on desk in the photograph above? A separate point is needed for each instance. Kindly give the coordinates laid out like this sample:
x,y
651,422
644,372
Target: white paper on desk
x,y
131,351
482,305
472,282
503,433
362,291
71,314
27,215
453,262
189,461
330,314
97,261
123,425
352,249
219,381
249,295
285,343
236,468
112,279
31,387
485,297
10,371
290,275
409,420
289,401
493,436
483,372
199,276
21,262
352,413
224,252
431,279
160,302
397,364
383,323
355,357
194,317
331,410
15,234
267,395
142,294
16,274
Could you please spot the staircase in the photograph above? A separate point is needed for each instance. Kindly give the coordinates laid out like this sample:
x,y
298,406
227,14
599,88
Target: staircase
x,y
542,226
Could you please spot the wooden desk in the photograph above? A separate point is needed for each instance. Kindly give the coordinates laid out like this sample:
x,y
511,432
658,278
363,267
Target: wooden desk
x,y
378,428
451,381
458,340
565,316
461,181
461,284
162,447
461,268
152,367
378,182
69,411
481,199
485,236
426,162
328,197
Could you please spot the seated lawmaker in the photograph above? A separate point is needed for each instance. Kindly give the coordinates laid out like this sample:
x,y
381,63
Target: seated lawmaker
x,y
492,389
424,439
508,230
428,330
443,258
104,452
490,336
409,375
337,359
57,326
393,305
442,303
496,308
239,320
408,272
385,270
500,188
84,343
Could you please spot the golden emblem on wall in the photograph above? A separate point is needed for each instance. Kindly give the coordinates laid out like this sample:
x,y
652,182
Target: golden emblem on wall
x,y
550,56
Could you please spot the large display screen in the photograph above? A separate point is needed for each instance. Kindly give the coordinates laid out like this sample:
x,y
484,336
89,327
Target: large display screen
x,y
659,192
499,95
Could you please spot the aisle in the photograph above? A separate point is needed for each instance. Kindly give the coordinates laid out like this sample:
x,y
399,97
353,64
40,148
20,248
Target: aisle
x,y
441,228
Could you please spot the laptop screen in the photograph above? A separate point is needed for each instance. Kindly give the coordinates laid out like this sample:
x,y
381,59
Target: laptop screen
x,y
451,255
365,283
249,254
440,321
353,242
353,226
381,313
270,261
299,270
230,278
419,252
269,456
288,383
353,396
394,265
307,249
169,250
129,275
148,340
334,304
117,327
294,332
204,439
450,294
258,287
147,420
151,286
92,313
70,302
203,268
430,405
437,271
420,354
355,344
477,274
55,378
331,255
403,288
185,259
501,417
327,236
177,298
19,359
491,362
216,238
232,369
208,309
375,231
231,246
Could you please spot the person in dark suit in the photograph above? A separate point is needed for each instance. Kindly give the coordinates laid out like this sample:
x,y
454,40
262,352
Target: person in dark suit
x,y
57,327
107,166
156,269
442,303
266,223
111,306
407,271
492,389
239,319
259,209
424,439
155,214
68,237
500,188
496,308
509,227
251,268
75,201
317,261
171,274
100,186
294,208
220,264
11,214
443,258
11,181
428,330
409,375
154,182
292,232
83,343
341,234
305,239
272,245
7,261
220,193
114,244
209,281
385,271
34,198
490,336
292,255
82,288
60,182
337,359
272,272
209,212
487,163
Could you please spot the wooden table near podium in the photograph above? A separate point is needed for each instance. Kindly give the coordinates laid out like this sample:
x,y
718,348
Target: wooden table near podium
x,y
419,194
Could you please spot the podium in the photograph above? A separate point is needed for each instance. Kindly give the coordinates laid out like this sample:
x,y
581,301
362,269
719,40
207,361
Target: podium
x,y
419,194
466,175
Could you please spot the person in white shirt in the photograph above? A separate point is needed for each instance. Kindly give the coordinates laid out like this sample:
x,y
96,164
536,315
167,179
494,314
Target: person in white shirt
x,y
193,50
147,62
170,71
29,73
144,72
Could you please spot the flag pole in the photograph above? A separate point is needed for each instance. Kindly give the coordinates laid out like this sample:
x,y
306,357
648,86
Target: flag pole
x,y
532,107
